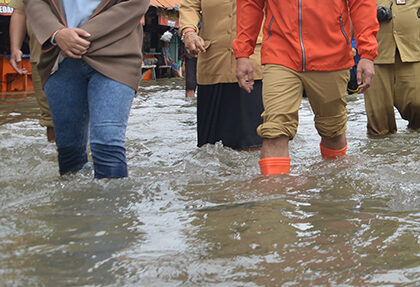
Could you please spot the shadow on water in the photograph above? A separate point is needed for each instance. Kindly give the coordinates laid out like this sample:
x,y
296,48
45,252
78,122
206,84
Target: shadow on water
x,y
191,216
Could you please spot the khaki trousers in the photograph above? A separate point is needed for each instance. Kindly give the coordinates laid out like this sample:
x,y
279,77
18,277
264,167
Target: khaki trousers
x,y
393,85
282,95
45,118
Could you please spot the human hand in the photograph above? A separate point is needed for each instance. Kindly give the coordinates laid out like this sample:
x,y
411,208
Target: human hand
x,y
365,73
194,44
72,42
15,60
244,71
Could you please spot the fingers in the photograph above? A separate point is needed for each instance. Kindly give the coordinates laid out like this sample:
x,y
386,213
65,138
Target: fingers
x,y
15,65
82,33
194,44
251,77
359,77
365,74
79,49
72,55
15,60
200,45
73,42
244,71
247,86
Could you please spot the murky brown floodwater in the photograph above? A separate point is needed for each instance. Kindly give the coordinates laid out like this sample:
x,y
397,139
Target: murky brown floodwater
x,y
204,217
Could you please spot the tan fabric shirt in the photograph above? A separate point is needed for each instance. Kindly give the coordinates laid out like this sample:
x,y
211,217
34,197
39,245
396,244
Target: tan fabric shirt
x,y
34,46
402,32
218,29
116,37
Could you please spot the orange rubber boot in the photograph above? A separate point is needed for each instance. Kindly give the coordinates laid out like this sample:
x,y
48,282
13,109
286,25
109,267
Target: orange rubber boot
x,y
274,165
332,153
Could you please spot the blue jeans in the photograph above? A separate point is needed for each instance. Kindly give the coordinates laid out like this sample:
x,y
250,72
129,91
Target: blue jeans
x,y
85,103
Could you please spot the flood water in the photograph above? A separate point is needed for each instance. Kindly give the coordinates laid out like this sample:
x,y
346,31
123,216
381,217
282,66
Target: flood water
x,y
191,216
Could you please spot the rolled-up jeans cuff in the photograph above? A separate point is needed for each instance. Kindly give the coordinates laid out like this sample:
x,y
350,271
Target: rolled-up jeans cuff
x,y
109,161
71,159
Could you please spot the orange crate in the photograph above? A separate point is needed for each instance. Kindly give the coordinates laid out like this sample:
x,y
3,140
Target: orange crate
x,y
12,81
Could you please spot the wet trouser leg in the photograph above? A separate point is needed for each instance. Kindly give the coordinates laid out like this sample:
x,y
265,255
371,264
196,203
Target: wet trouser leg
x,y
407,91
393,85
66,91
81,99
109,108
282,94
45,118
379,101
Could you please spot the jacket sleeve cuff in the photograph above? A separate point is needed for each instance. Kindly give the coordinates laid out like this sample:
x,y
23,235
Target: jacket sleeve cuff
x,y
241,49
368,55
182,28
50,42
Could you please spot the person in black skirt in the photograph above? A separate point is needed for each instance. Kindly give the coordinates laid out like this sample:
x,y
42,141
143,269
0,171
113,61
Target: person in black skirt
x,y
225,112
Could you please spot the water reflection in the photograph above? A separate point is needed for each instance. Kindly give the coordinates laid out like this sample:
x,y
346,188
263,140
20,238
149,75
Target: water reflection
x,y
204,217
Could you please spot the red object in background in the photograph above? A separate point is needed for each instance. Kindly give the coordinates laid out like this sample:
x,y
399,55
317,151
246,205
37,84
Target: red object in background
x,y
168,18
11,81
5,10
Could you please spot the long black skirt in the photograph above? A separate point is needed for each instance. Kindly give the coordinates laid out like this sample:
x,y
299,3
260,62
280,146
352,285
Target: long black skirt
x,y
227,113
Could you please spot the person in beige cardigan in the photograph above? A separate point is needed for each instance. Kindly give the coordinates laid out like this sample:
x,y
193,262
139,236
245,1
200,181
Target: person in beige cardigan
x,y
225,112
90,67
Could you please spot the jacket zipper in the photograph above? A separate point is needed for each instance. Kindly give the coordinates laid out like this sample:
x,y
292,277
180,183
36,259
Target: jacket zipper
x,y
342,29
301,38
269,28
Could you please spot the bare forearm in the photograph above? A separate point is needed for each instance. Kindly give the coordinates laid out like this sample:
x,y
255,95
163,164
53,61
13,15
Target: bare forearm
x,y
17,29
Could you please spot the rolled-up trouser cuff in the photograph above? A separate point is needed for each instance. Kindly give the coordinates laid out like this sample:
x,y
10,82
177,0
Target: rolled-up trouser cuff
x,y
271,130
46,123
331,126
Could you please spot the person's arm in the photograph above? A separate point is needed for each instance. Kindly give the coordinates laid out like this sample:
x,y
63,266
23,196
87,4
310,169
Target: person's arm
x,y
249,16
50,30
43,21
189,17
365,26
17,32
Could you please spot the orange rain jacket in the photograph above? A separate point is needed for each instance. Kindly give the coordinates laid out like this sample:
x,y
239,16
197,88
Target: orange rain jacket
x,y
307,35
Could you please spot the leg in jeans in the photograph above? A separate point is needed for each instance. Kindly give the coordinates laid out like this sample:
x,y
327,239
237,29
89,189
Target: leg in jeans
x,y
109,108
66,91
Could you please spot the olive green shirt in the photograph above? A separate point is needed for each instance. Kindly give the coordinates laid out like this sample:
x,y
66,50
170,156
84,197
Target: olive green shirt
x,y
402,32
34,46
218,30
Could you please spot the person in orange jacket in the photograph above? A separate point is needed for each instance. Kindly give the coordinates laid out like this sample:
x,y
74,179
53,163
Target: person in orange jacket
x,y
306,45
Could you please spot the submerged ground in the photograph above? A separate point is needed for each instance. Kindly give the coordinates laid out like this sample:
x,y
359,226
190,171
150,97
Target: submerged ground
x,y
191,216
